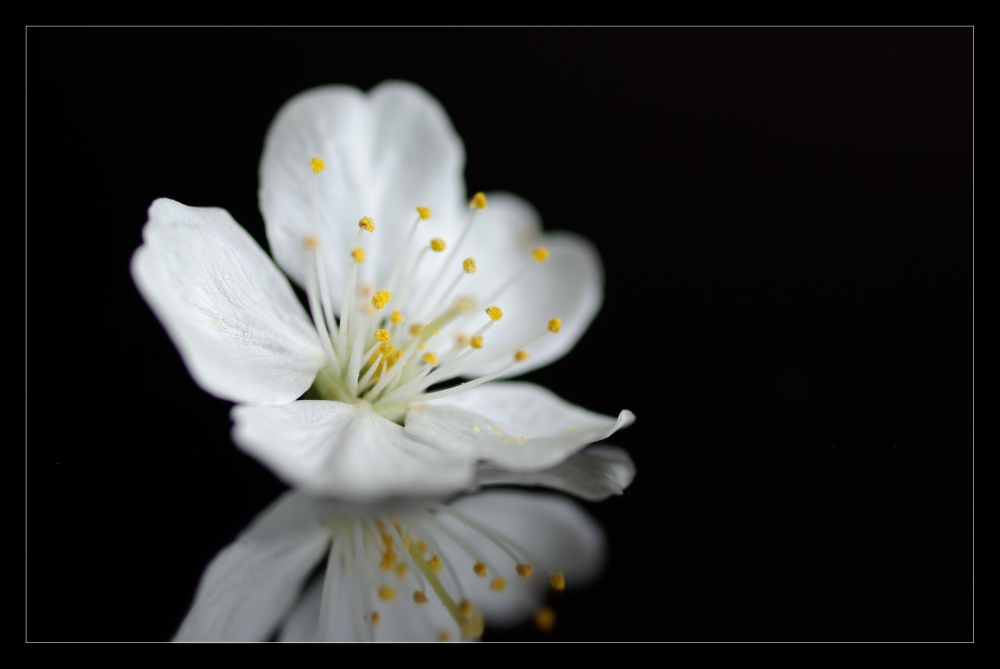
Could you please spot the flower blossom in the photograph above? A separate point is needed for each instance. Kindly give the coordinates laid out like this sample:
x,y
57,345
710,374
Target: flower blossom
x,y
408,287
310,569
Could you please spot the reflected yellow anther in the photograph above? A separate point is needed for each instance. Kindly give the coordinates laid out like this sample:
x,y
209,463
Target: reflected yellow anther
x,y
476,342
359,255
367,223
555,325
472,628
421,546
541,254
381,335
444,636
524,570
375,618
479,569
386,540
478,201
388,560
438,245
430,358
416,328
498,584
396,317
379,525
386,594
406,542
557,581
469,265
311,242
381,299
424,212
494,312
401,570
435,563
317,165
545,619
419,597
465,606
465,304
522,355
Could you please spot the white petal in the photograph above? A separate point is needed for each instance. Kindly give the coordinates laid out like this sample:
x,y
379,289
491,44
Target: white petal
x,y
518,426
553,529
250,585
593,474
232,315
386,153
569,285
346,451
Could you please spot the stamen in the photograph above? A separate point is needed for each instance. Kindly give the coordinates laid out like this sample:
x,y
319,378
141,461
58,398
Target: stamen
x,y
438,245
419,597
387,593
479,569
382,335
465,606
478,201
375,618
469,265
494,312
557,581
367,223
424,213
498,584
381,299
444,636
541,254
430,358
555,325
521,356
545,619
317,314
397,317
332,567
317,165
524,570
358,254
476,342
502,354
359,556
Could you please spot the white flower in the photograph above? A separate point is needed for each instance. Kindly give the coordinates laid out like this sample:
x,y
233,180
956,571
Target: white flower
x,y
405,570
358,192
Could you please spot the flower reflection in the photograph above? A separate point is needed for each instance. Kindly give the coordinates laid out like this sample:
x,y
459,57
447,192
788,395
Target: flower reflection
x,y
312,569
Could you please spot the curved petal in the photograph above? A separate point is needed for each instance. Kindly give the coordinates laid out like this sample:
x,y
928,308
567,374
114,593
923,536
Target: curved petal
x,y
347,451
569,285
386,153
594,474
250,585
235,320
557,534
518,426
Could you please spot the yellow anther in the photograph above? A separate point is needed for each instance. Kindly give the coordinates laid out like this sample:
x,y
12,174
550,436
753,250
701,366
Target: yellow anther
x,y
401,570
465,606
555,325
545,619
382,335
524,570
430,358
557,581
438,245
406,542
494,313
311,242
480,569
317,165
465,304
388,561
419,597
416,328
359,255
476,342
385,348
381,299
396,317
462,339
522,355
424,212
375,618
394,358
421,546
386,594
494,430
386,540
478,201
541,254
435,563
444,636
473,629
498,584
469,265
367,223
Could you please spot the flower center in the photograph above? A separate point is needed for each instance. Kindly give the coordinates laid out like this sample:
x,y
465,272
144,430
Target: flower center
x,y
398,556
386,356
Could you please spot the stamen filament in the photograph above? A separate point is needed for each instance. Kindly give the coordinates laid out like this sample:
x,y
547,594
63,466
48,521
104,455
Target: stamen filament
x,y
324,287
391,285
347,305
501,355
354,368
461,388
451,255
317,316
332,568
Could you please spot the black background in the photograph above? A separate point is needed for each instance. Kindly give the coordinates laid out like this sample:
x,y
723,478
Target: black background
x,y
785,218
